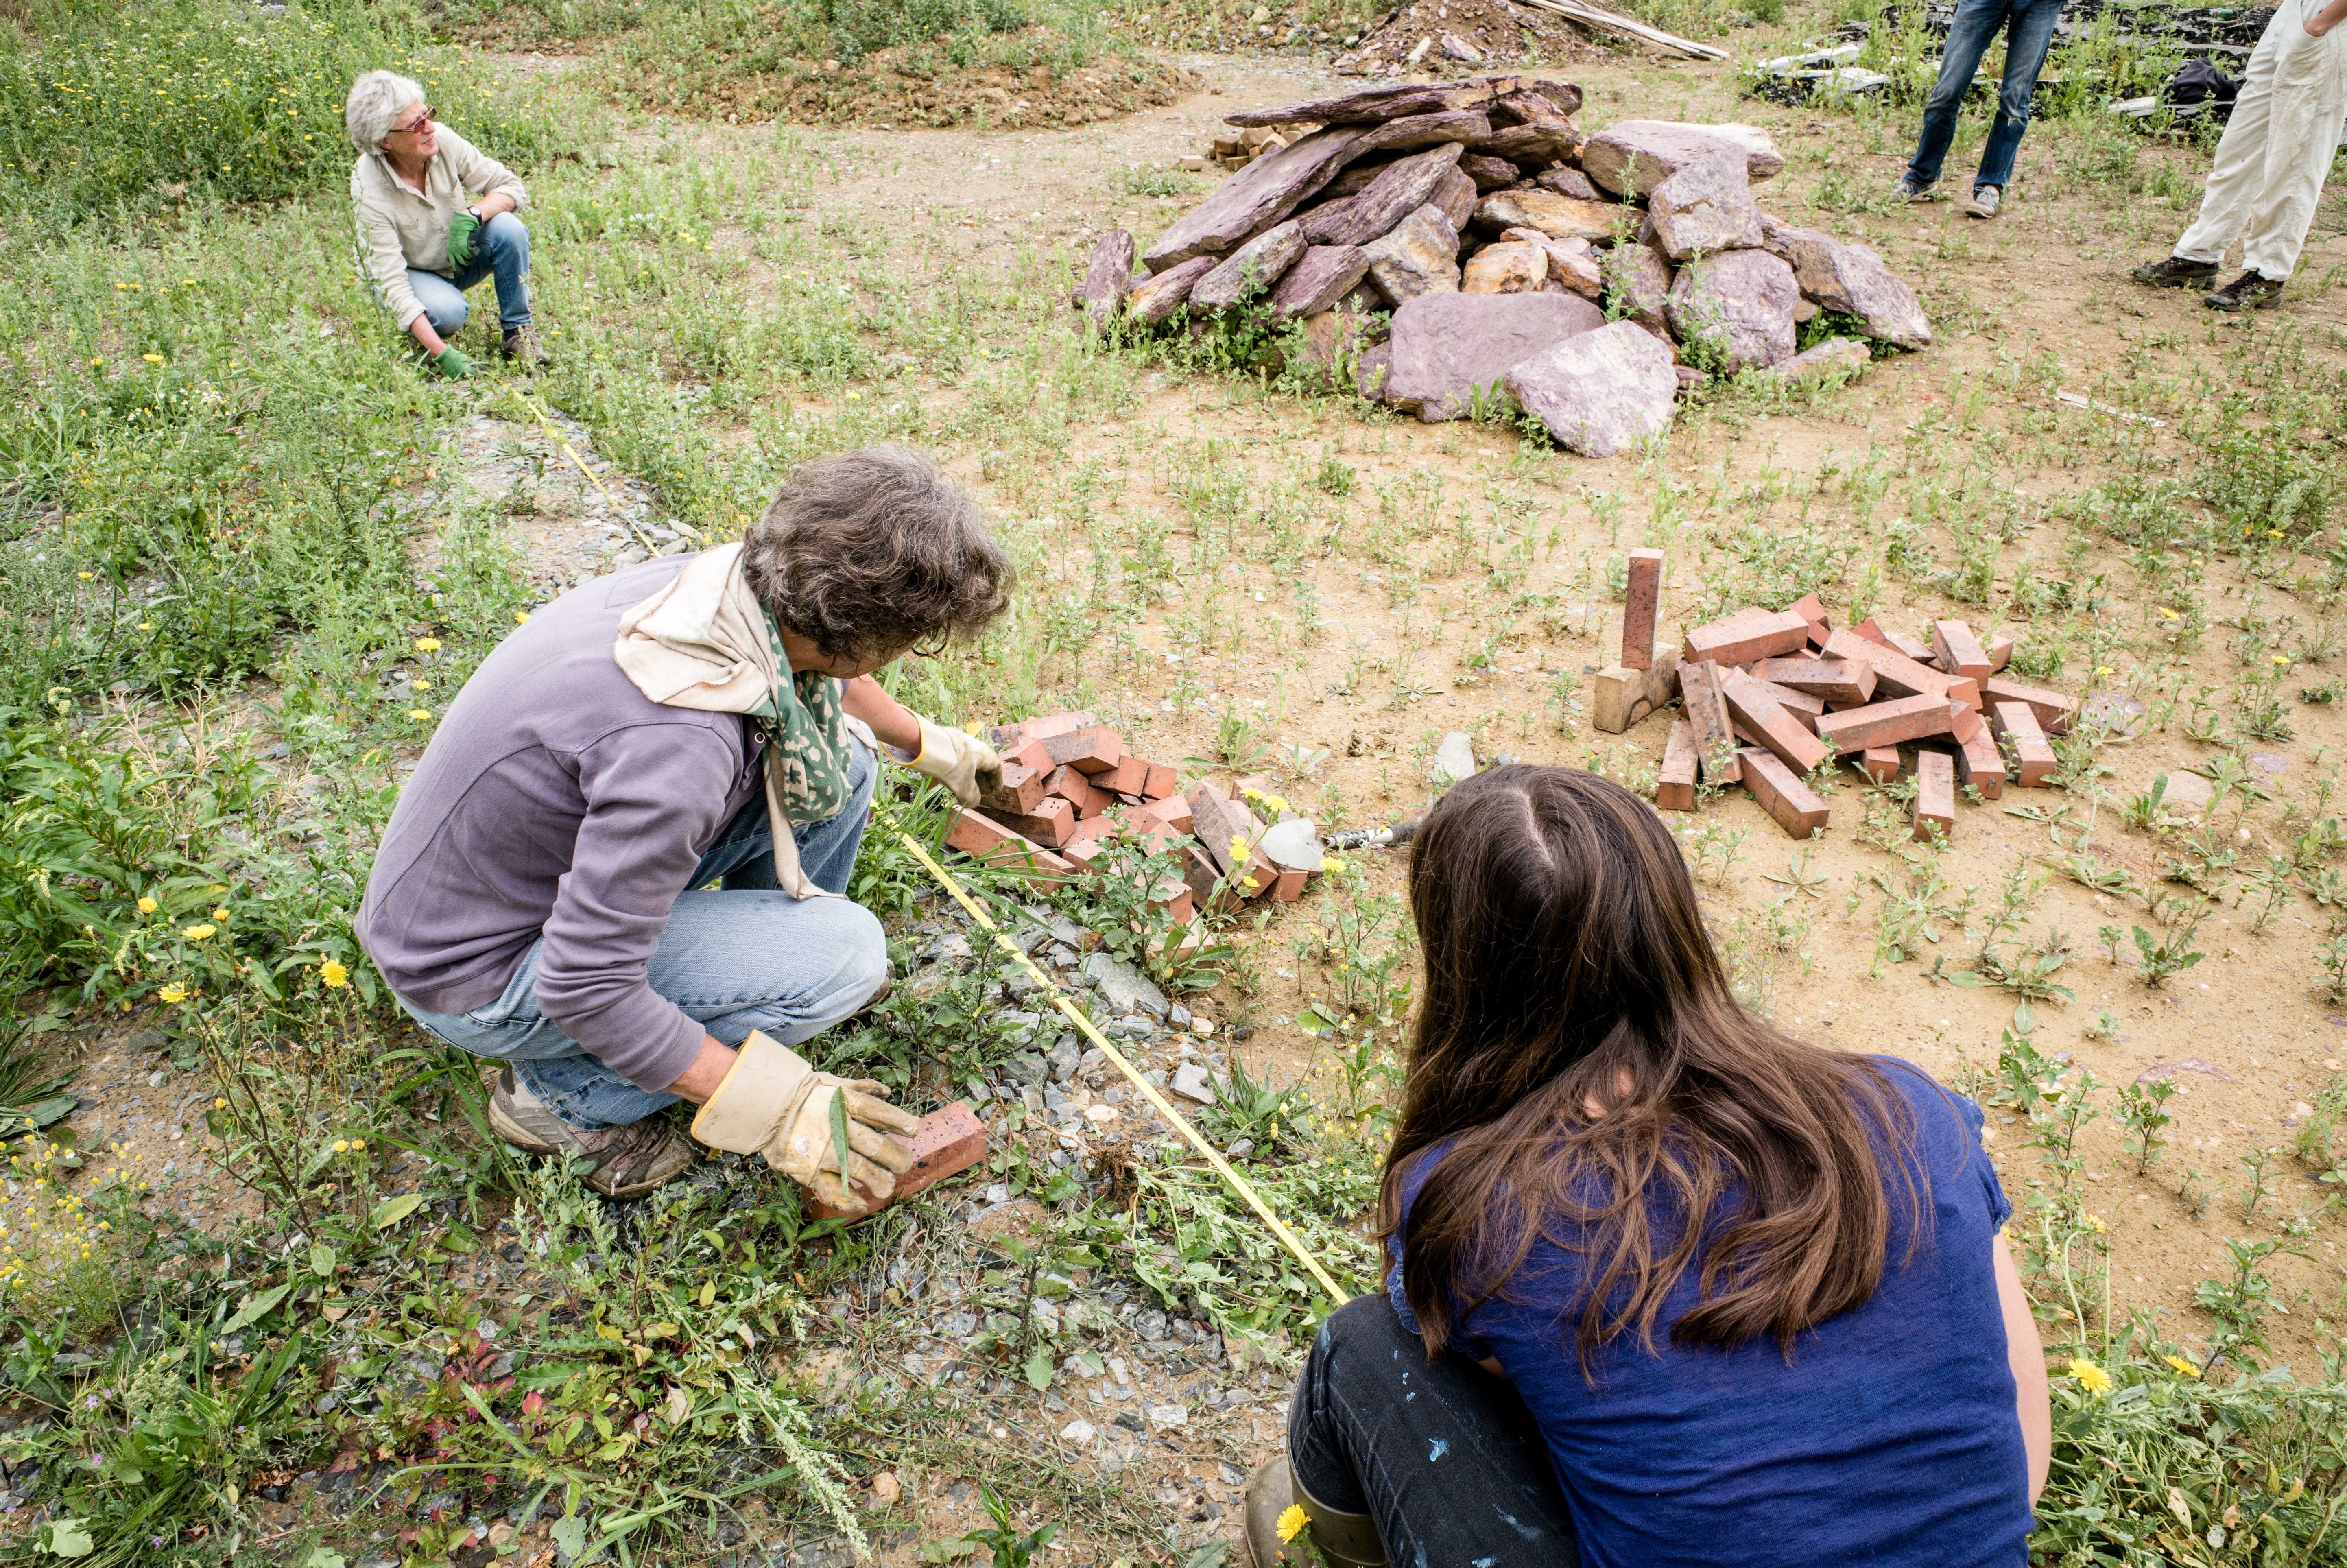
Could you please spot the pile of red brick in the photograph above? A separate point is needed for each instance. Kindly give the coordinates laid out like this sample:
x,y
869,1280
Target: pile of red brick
x,y
1772,695
1064,774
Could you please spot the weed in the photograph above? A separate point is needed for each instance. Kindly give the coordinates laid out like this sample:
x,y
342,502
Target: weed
x,y
2142,1111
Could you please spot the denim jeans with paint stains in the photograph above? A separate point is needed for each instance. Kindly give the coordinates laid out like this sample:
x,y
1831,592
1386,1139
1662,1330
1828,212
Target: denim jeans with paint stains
x,y
1445,1457
741,956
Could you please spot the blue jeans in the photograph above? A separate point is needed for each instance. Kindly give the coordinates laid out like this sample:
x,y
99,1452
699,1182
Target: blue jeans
x,y
744,957
2029,33
501,251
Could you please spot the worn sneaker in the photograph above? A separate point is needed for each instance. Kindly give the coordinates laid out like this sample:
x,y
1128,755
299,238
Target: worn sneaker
x,y
629,1161
2175,272
1983,202
522,344
2247,292
1910,188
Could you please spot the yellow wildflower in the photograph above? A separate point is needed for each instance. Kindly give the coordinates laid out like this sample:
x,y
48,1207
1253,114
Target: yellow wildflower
x,y
421,685
220,912
427,645
2091,1378
2094,1222
1238,849
1292,1520
219,1103
200,932
342,1146
333,974
521,617
419,714
152,358
85,576
1332,863
173,993
2185,1368
2281,658
147,905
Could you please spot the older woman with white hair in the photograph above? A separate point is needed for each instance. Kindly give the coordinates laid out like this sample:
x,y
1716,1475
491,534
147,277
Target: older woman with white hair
x,y
436,216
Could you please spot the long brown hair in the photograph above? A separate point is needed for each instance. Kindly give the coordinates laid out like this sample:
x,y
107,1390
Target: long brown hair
x,y
1578,1040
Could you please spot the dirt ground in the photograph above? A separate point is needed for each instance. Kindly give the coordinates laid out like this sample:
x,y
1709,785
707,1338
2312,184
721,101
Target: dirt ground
x,y
2245,1035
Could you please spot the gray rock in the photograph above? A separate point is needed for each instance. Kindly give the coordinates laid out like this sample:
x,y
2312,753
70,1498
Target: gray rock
x,y
1633,157
1251,267
1322,276
1376,368
1027,1068
2188,796
1400,189
1064,1060
1108,279
1155,300
1639,278
1845,356
1132,1027
1078,1433
1600,391
1567,180
2114,711
951,948
147,1038
1241,1150
1124,988
1851,281
1413,132
1019,1022
1180,1016
1418,256
1446,348
1740,304
1705,208
1093,1068
1254,199
1191,1082
1454,759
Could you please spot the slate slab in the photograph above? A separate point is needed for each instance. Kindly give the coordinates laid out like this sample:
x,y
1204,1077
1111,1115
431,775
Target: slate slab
x,y
1108,279
1600,391
1322,276
1558,217
1741,303
1400,189
1254,199
1633,157
1155,300
1851,279
1844,356
1445,347
1251,269
1706,207
1370,106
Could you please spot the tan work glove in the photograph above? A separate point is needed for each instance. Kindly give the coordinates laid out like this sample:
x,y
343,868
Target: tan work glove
x,y
773,1103
963,763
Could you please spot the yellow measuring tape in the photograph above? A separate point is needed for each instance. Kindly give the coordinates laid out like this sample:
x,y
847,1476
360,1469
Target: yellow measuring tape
x,y
1059,1000
580,463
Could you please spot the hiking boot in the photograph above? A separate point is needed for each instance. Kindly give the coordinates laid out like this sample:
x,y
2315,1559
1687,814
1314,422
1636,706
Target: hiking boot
x,y
1910,188
522,344
2247,292
629,1161
1344,1539
1983,202
2175,272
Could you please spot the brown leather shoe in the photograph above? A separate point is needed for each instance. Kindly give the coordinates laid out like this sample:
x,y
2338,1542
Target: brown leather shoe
x,y
2247,292
629,1161
524,344
2175,272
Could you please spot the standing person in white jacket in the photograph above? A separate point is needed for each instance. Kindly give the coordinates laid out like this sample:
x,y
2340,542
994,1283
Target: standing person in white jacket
x,y
2271,162
424,239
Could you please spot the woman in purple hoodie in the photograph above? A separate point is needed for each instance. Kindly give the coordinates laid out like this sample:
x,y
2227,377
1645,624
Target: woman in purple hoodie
x,y
620,867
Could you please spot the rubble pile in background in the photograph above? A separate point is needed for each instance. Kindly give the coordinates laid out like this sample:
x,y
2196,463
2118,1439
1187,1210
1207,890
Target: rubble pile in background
x,y
1771,696
1452,247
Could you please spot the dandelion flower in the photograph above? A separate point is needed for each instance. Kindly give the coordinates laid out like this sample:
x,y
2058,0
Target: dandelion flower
x,y
1332,863
218,1102
147,905
152,358
427,645
419,714
2094,1223
2091,1378
2281,658
421,685
1292,1520
333,975
1238,849
220,912
173,993
521,618
85,576
2185,1368
342,1146
358,1145
200,932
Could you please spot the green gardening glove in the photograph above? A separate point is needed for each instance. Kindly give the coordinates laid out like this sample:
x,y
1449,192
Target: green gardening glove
x,y
460,239
452,364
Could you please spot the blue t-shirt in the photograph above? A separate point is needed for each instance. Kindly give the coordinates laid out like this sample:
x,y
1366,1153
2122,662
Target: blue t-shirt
x,y
1890,1438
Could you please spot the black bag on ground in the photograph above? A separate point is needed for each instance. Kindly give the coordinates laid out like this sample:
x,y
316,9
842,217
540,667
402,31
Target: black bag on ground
x,y
2198,82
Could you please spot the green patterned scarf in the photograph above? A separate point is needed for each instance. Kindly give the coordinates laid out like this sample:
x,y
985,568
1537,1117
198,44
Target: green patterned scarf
x,y
807,729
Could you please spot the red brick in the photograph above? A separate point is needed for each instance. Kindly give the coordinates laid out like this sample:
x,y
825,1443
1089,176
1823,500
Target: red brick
x,y
1706,714
2053,709
2017,722
1068,784
1175,898
1218,819
1173,812
1288,887
1921,652
1009,738
1676,790
1965,689
1198,873
1640,604
1127,777
983,838
1746,635
1163,784
1885,723
1749,703
1022,786
1091,830
1834,680
1880,764
1895,674
948,1143
1935,793
1980,764
1094,749
1871,632
1813,611
1052,821
1805,709
1956,651
1962,723
2000,654
1781,795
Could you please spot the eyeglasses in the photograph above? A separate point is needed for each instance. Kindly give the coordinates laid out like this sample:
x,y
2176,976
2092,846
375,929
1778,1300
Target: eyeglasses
x,y
418,123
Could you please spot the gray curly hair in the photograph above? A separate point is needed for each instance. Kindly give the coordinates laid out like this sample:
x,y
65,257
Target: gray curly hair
x,y
876,552
378,100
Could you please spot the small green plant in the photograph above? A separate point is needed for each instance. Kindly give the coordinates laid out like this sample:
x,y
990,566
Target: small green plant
x,y
2142,1112
2240,1302
1259,1110
2171,952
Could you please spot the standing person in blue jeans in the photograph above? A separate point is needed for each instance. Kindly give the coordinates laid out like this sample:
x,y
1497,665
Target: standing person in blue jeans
x,y
2028,27
1670,1289
542,895
435,215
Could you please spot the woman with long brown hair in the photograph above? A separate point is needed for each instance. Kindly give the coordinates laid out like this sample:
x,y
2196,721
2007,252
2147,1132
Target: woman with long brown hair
x,y
1669,1287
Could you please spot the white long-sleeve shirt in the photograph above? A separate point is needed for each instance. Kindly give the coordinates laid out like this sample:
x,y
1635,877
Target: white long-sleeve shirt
x,y
399,229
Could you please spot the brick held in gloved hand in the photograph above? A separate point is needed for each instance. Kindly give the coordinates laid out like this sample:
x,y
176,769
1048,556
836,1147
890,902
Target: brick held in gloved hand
x,y
949,1141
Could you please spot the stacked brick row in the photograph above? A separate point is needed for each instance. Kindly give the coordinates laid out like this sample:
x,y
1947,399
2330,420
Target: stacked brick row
x,y
1072,792
1770,696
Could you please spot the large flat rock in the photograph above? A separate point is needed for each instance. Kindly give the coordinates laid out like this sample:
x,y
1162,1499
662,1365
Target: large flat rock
x,y
1251,269
1254,199
1108,279
1558,217
1423,131
1447,348
1639,278
1740,304
1370,106
1418,256
1400,189
1322,276
1633,157
1706,207
1851,281
1600,391
1156,299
